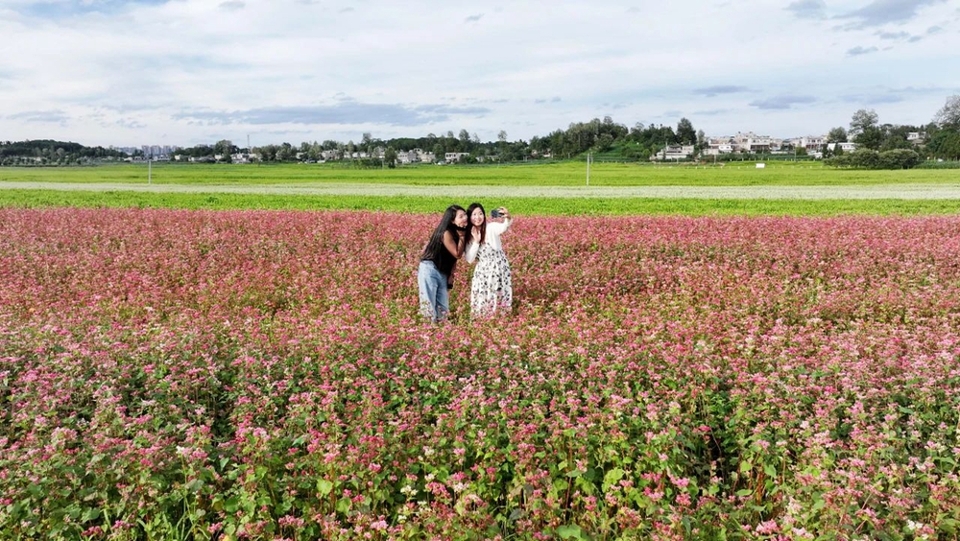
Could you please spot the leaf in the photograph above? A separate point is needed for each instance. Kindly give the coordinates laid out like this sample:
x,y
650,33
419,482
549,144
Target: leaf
x,y
744,492
949,525
769,470
612,476
746,466
90,513
231,505
570,531
324,487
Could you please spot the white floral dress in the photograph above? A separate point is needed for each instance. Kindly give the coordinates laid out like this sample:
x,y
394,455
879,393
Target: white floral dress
x,y
491,290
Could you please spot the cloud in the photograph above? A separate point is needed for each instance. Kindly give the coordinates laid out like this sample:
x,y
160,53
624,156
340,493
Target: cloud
x,y
52,10
712,112
712,91
858,50
881,12
809,9
346,112
55,116
473,18
893,35
232,5
782,102
872,98
130,124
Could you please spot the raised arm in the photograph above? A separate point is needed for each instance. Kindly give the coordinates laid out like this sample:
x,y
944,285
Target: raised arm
x,y
500,224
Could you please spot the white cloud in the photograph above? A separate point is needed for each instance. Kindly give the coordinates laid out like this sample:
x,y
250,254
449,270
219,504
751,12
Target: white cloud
x,y
187,72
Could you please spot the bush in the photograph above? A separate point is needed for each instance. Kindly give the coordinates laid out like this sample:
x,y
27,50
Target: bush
x,y
871,159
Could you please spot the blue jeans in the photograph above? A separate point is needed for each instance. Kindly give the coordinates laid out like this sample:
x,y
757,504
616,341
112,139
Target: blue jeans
x,y
434,297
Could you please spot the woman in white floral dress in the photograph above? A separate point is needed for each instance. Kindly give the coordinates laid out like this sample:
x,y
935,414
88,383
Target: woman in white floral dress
x,y
491,290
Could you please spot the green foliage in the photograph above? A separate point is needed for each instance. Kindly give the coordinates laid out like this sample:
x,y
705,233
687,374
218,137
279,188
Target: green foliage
x,y
540,206
49,152
571,173
863,158
315,186
944,144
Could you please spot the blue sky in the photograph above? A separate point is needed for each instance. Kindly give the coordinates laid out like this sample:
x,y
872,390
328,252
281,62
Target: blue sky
x,y
186,72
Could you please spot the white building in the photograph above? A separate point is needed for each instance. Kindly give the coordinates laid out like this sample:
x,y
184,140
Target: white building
x,y
845,147
454,157
674,152
811,143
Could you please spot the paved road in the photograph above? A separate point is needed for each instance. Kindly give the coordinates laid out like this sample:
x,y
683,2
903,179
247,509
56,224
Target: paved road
x,y
888,191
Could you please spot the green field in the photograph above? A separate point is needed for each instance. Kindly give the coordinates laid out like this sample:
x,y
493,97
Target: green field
x,y
543,189
549,174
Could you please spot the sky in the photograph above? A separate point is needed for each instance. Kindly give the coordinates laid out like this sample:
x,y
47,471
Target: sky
x,y
190,72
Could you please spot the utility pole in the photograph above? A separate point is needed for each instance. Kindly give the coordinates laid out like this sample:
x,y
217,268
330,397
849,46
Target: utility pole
x,y
589,161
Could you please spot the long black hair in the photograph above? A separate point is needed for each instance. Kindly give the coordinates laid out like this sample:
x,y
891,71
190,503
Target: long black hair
x,y
483,227
435,248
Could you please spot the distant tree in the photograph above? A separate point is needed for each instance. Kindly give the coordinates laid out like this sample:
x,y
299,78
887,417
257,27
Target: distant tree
x,y
686,135
861,121
604,142
944,144
871,137
948,117
314,151
837,135
894,140
224,147
390,157
285,152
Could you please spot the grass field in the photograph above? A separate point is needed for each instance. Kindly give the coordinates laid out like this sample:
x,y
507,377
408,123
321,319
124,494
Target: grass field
x,y
543,189
549,174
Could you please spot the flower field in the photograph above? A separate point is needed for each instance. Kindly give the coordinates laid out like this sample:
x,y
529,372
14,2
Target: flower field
x,y
263,375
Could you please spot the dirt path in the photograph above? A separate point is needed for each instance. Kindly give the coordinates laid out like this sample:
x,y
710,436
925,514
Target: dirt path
x,y
889,191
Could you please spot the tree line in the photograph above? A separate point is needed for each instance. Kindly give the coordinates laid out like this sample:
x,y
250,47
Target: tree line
x,y
875,142
49,152
889,146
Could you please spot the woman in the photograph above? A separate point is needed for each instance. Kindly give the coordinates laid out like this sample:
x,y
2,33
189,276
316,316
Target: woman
x,y
440,255
491,290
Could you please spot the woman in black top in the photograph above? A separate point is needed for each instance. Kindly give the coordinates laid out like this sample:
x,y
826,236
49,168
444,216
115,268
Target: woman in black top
x,y
439,258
